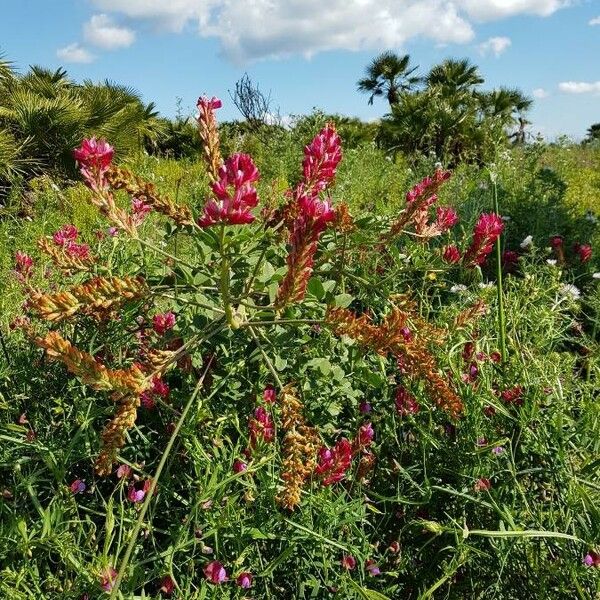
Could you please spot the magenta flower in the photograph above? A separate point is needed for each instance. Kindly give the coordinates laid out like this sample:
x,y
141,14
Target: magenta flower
x,y
94,158
483,484
23,264
75,250
333,463
498,450
348,562
584,251
137,490
261,427
215,572
108,578
162,323
406,404
428,187
234,194
270,395
364,407
239,466
139,209
451,255
159,387
78,486
406,334
113,231
510,259
513,395
592,559
244,580
321,158
372,568
446,218
205,103
556,241
487,230
66,234
364,438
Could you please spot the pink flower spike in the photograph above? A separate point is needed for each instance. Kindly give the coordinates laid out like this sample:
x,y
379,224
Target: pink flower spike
x,y
364,438
23,264
270,395
204,103
108,578
78,487
451,255
215,572
334,463
487,230
321,158
584,251
244,580
66,234
94,153
446,218
261,427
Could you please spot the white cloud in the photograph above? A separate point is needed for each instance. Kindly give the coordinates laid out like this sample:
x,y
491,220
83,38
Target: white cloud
x,y
101,31
580,87
494,45
75,53
540,93
595,21
255,29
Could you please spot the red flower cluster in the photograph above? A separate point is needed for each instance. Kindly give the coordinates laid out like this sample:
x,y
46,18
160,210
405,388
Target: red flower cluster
x,y
406,403
261,427
65,238
94,158
159,388
446,218
487,230
333,463
235,196
428,187
23,264
451,255
513,395
584,251
161,323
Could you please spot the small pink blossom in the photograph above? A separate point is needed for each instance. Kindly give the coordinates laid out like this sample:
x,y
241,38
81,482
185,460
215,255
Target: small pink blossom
x,y
261,426
592,559
483,484
446,218
488,228
78,486
333,463
139,209
270,395
365,407
348,562
215,572
124,472
584,251
364,438
162,323
137,490
75,250
321,158
23,264
239,466
244,580
206,103
167,585
372,568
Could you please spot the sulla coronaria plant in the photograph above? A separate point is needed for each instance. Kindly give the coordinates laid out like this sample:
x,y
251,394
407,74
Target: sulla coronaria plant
x,y
246,273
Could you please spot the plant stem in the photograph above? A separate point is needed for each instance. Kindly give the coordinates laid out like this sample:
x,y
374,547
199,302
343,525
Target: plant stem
x,y
153,482
501,313
225,280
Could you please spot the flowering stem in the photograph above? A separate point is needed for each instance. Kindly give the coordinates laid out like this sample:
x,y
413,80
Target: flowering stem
x,y
224,283
153,482
501,313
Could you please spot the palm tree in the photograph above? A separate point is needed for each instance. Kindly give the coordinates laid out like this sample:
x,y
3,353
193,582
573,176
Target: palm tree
x,y
388,75
454,76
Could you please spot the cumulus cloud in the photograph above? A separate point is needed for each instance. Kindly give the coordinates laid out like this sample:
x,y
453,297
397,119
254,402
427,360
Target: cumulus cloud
x,y
101,31
256,29
540,93
595,21
580,87
495,46
75,53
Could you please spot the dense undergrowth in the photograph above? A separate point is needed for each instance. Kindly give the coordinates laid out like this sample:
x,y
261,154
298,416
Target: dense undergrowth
x,y
464,475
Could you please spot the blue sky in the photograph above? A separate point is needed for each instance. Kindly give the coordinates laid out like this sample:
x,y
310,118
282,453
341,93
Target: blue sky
x,y
310,53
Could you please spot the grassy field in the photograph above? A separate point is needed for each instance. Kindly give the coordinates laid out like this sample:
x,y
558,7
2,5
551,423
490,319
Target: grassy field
x,y
500,500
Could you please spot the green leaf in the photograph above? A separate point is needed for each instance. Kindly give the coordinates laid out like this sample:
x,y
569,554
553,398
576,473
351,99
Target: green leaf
x,y
343,300
315,287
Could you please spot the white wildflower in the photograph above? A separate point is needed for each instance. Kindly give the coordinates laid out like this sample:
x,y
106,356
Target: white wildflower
x,y
458,288
569,290
596,275
486,286
506,218
527,242
551,261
